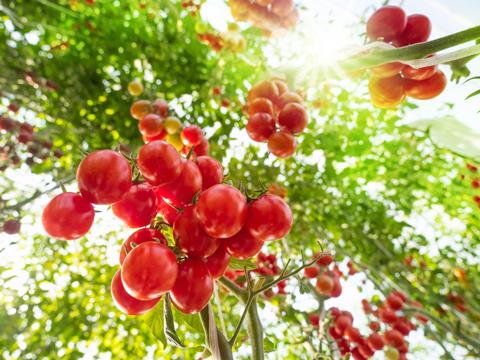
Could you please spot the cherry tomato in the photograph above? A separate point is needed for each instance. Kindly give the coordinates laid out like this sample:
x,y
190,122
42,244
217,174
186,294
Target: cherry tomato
x,y
137,207
149,271
282,7
193,288
293,118
181,191
218,262
212,171
311,272
418,30
387,70
222,210
289,98
159,163
352,334
324,284
126,303
199,150
375,341
337,287
67,216
264,89
172,125
150,125
260,105
282,144
243,245
387,92
11,227
192,135
393,338
419,74
149,139
104,176
314,319
166,211
138,237
140,108
426,89
281,85
260,126
160,107
386,23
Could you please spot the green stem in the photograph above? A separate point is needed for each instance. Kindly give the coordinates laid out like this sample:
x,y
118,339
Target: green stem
x,y
224,346
255,331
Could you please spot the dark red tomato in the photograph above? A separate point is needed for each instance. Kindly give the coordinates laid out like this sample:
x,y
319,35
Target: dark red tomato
x,y
218,262
260,126
260,105
137,207
159,163
6,123
126,303
269,218
11,226
149,139
289,98
337,287
67,216
387,93
212,171
138,237
192,135
150,125
222,210
419,74
426,89
104,176
387,23
166,211
243,245
160,107
394,302
190,237
375,341
418,30
181,191
282,144
264,89
149,271
193,288
387,70
314,319
24,137
293,118
393,338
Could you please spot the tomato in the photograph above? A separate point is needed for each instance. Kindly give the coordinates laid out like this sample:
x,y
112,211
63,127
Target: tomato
x,y
160,107
282,144
135,88
260,105
293,118
165,210
419,74
159,163
137,207
138,237
337,287
387,92
288,98
260,126
352,334
387,70
11,227
324,260
172,125
192,135
426,89
222,210
67,216
175,140
199,150
269,218
149,271
387,23
394,302
181,191
6,123
264,89
151,125
324,284
211,170
342,322
148,139
126,303
387,315
393,338
311,272
282,7
243,245
218,262
314,319
193,288
140,108
104,176
363,348
375,341
264,2
418,30
281,85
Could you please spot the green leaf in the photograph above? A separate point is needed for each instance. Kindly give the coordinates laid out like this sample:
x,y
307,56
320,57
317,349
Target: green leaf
x,y
170,332
472,78
268,345
238,264
155,322
475,93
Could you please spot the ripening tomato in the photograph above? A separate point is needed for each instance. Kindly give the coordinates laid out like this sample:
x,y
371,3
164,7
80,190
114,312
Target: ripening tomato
x,y
165,210
138,237
418,29
243,245
126,303
211,170
375,341
151,125
137,207
419,74
67,216
288,98
269,218
393,338
260,105
140,108
293,117
324,284
260,126
222,210
387,70
192,135
149,271
387,92
193,288
160,107
387,23
426,89
282,144
104,176
159,163
282,7
264,89
218,262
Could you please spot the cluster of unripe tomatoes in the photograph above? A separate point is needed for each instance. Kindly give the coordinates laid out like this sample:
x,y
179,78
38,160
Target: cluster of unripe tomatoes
x,y
390,83
275,116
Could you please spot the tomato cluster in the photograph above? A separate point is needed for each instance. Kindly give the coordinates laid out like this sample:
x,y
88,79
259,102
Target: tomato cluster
x,y
327,280
474,181
390,83
193,6
230,40
268,15
276,115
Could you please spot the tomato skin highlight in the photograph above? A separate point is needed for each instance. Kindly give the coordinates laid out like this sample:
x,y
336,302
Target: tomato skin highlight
x,y
211,170
149,271
126,303
137,207
193,288
68,216
426,89
243,245
103,177
166,211
218,262
159,163
138,237
387,23
387,93
417,30
260,126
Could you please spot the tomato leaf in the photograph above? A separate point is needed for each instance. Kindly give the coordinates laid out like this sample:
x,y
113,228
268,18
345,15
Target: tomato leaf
x,y
155,322
475,93
268,345
238,264
169,325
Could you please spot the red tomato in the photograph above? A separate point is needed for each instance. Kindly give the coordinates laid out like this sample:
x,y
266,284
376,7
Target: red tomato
x,y
387,315
140,108
126,303
269,218
394,302
192,135
222,210
243,245
311,272
137,207
293,118
138,237
67,216
364,349
149,139
218,262
264,89
150,125
165,210
11,227
352,334
314,319
426,89
419,74
260,105
387,70
375,341
324,260
159,163
199,150
324,284
387,92
394,338
190,237
212,171
386,23
418,30
356,355
193,288
281,86
149,271
337,287
160,107
260,126
342,323
282,144
181,191
288,98
282,7
104,176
